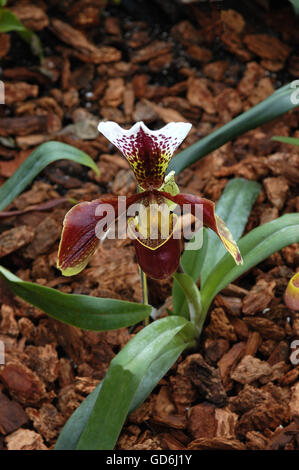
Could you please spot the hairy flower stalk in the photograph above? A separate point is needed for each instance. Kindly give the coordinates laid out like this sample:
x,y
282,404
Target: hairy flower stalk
x,y
155,229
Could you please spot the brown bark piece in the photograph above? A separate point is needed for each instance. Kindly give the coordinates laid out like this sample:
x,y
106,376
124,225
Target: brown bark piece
x,y
19,91
166,114
114,93
26,125
12,415
205,378
266,328
4,44
46,234
256,441
294,402
201,421
216,443
22,383
170,442
253,343
215,349
24,439
233,20
226,422
233,43
259,297
277,190
228,104
261,91
278,371
186,33
250,369
44,361
267,47
85,50
230,359
249,397
240,328
9,325
283,436
183,392
151,51
13,239
164,411
253,73
201,54
280,353
46,420
216,70
198,94
33,17
269,414
220,326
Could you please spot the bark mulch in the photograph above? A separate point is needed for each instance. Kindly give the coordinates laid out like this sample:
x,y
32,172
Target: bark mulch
x,y
200,63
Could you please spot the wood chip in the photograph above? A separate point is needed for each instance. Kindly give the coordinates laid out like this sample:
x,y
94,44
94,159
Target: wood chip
x,y
24,439
267,47
22,383
216,443
13,239
259,297
205,378
12,415
250,369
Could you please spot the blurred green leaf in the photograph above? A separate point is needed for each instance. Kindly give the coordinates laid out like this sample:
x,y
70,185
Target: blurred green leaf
x,y
124,376
41,157
9,22
275,105
256,246
295,4
234,207
82,311
286,140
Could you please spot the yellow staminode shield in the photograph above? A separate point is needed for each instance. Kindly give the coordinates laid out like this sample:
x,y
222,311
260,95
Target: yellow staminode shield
x,y
153,225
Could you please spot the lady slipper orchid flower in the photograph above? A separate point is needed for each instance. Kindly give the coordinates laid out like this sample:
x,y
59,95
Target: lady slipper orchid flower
x,y
148,153
291,295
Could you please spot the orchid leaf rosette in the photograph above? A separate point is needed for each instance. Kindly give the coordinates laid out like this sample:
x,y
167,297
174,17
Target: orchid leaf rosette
x,y
148,153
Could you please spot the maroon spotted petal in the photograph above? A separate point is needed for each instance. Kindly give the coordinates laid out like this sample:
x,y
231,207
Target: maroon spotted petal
x,y
148,152
80,235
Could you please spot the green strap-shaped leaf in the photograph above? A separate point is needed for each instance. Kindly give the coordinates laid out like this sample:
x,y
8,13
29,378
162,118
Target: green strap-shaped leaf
x,y
82,311
295,4
234,207
70,434
256,246
275,105
41,157
125,374
9,22
286,140
192,296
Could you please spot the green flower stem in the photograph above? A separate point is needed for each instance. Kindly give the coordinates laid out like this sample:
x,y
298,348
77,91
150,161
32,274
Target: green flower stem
x,y
192,294
144,292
